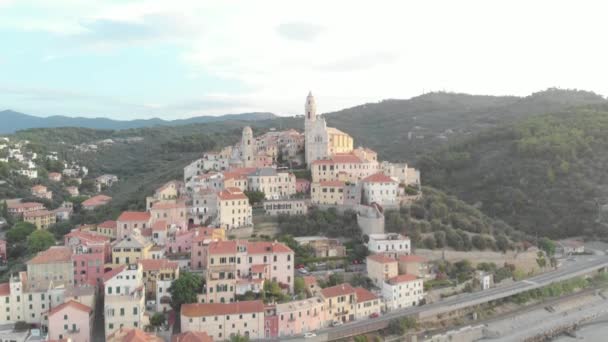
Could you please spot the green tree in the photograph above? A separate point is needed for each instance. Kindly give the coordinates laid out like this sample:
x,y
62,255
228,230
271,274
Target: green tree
x,y
184,289
19,232
4,212
547,245
502,243
40,240
255,197
239,338
299,287
157,319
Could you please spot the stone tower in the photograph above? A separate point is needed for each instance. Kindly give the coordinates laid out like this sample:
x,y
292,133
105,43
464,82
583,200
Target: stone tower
x,y
315,132
310,111
247,147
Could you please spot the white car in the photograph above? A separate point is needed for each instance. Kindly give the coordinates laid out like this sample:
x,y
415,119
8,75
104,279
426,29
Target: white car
x,y
310,335
336,323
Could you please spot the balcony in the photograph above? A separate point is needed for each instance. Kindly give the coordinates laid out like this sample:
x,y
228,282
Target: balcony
x,y
73,331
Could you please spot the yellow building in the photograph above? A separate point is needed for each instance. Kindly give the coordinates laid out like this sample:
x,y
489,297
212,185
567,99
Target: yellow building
x,y
339,142
107,228
131,249
157,270
234,209
327,192
42,219
381,268
341,302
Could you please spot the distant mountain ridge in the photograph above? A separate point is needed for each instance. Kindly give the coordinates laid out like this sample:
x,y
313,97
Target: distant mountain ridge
x,y
13,121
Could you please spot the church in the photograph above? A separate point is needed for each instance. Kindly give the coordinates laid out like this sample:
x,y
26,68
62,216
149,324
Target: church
x,y
322,142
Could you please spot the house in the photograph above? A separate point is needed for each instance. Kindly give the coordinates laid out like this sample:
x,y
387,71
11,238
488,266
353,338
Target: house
x,y
171,212
238,266
17,209
62,213
295,206
107,228
347,167
157,270
485,279
55,176
95,201
301,316
570,246
72,190
391,244
204,206
221,321
132,335
128,221
200,245
51,266
234,209
340,302
105,181
322,246
414,265
71,320
131,249
380,188
381,268
328,192
368,304
273,184
402,291
192,336
124,299
42,219
41,191
170,191
90,252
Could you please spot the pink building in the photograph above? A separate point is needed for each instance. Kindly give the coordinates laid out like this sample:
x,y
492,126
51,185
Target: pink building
x,y
302,316
302,185
200,247
271,322
173,213
179,242
3,255
71,320
130,220
89,254
18,209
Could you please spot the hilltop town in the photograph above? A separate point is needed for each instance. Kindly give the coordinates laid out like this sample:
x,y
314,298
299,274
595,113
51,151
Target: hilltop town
x,y
282,235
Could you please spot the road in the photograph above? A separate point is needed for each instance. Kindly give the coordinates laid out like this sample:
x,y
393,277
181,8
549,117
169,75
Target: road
x,y
570,269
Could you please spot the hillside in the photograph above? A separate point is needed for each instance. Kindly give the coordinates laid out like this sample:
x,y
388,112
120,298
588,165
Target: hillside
x,y
544,174
404,129
14,121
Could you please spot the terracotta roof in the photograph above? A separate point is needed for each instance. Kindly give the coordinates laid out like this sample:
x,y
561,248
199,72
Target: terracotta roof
x,y
234,175
52,255
25,205
192,336
54,174
213,309
96,200
37,213
412,258
258,268
159,225
222,247
381,258
107,224
72,303
364,295
133,335
310,280
231,194
378,178
158,264
111,273
203,233
39,188
339,158
334,183
402,278
264,247
92,237
5,289
338,290
134,216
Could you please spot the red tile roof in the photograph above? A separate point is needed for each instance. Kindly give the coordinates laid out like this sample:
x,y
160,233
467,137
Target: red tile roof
x,y
158,264
134,216
91,237
52,255
252,247
381,258
72,303
412,258
168,205
234,175
402,278
96,200
364,295
25,205
133,335
107,224
378,178
334,183
37,213
192,336
5,289
159,225
338,290
39,188
231,194
111,273
339,158
213,309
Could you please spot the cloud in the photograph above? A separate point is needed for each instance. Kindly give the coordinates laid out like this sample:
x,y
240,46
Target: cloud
x,y
299,31
364,61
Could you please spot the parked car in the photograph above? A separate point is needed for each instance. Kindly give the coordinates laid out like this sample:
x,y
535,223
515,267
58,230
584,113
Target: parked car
x,y
310,335
336,323
374,315
302,271
300,266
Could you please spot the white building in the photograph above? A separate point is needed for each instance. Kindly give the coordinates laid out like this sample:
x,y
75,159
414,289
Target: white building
x,y
124,300
273,184
381,189
402,291
391,244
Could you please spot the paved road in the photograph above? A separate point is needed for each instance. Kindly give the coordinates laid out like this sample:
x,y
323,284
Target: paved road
x,y
569,269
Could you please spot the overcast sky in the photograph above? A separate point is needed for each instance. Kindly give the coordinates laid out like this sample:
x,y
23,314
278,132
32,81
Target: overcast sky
x,y
175,59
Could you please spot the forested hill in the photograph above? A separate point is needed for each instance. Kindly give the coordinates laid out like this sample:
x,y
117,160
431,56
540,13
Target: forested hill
x,y
545,174
403,129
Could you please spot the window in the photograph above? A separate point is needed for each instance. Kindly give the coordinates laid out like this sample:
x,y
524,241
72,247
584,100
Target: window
x,y
65,317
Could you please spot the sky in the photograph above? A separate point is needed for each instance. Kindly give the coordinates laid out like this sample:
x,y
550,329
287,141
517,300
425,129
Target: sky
x,y
176,59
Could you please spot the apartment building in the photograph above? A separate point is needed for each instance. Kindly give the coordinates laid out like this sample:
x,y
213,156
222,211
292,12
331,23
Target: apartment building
x,y
89,255
273,184
402,291
381,268
301,316
234,209
381,189
124,300
51,268
41,191
131,249
221,321
128,221
293,206
155,270
42,219
17,209
71,320
390,244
